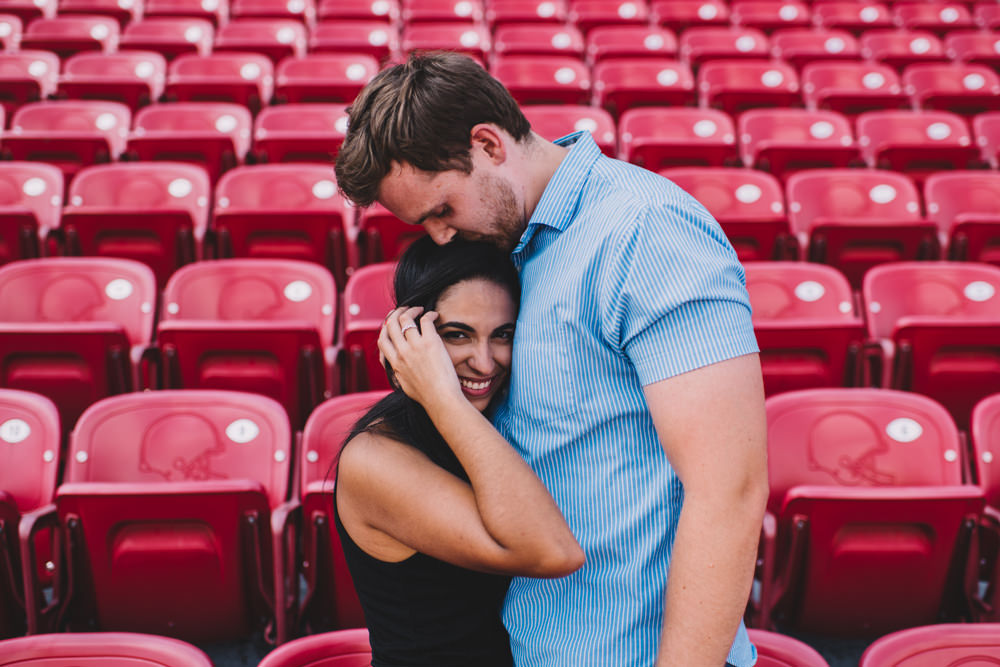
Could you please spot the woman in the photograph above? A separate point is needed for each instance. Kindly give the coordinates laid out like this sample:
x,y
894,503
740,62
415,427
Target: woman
x,y
434,508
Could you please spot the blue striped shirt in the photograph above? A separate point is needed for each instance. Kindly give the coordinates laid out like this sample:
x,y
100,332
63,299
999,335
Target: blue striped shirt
x,y
626,281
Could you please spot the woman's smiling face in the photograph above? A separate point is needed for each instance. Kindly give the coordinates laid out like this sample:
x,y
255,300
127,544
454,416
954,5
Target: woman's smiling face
x,y
476,322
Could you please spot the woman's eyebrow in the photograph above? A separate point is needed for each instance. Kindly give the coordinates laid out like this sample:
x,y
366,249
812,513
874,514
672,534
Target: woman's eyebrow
x,y
455,325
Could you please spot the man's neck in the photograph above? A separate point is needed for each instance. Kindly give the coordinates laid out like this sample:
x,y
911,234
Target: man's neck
x,y
542,159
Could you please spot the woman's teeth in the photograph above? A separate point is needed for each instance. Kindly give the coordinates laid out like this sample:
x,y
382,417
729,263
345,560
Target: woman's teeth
x,y
475,386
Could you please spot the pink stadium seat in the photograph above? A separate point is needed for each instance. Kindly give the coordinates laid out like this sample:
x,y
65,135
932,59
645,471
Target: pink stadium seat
x,y
775,650
984,430
944,644
782,141
770,15
966,207
917,143
748,204
300,132
152,212
630,41
538,39
29,10
67,35
621,84
555,121
974,46
442,11
122,11
10,32
382,11
383,237
303,11
123,649
330,600
657,137
853,16
965,89
290,211
274,38
27,76
987,15
735,86
679,15
374,38
213,11
134,78
367,300
70,134
699,45
809,332
177,497
900,48
589,14
987,129
851,88
855,219
323,77
937,17
170,36
468,38
239,78
29,468
502,12
800,46
213,135
867,509
544,79
31,195
341,648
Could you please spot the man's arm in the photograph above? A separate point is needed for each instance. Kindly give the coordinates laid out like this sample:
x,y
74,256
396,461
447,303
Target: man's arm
x,y
712,426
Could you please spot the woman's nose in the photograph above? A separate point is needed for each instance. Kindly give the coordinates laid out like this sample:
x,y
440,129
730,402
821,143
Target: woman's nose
x,y
481,359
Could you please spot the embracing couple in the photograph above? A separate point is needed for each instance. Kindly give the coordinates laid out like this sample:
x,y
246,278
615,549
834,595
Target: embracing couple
x,y
571,471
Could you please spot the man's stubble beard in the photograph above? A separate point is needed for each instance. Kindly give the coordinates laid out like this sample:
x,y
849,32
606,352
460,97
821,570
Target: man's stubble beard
x,y
508,222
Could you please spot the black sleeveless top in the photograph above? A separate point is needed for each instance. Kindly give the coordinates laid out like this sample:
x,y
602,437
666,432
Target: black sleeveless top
x,y
423,612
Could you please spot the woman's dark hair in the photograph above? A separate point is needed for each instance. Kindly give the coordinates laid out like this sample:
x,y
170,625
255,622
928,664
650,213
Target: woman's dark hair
x,y
425,271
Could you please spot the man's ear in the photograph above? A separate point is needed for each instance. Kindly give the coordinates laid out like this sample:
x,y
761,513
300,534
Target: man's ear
x,y
491,141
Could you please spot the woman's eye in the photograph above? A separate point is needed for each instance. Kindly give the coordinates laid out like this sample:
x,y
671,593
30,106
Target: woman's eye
x,y
453,335
505,335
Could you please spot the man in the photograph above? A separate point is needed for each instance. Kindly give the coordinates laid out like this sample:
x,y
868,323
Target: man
x,y
636,390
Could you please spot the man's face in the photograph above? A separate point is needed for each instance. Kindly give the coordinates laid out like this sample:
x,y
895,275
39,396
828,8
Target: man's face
x,y
478,206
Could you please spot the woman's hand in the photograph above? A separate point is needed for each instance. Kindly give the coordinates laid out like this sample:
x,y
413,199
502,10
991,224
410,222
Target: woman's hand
x,y
418,357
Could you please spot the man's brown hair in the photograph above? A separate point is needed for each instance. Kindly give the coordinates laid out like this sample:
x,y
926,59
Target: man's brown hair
x,y
421,112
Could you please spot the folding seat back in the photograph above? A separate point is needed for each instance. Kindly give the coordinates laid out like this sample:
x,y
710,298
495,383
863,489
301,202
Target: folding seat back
x,y
213,135
324,77
735,86
368,297
383,237
851,88
987,15
123,649
303,11
28,10
917,143
152,212
468,38
867,508
27,76
800,46
807,328
273,38
662,137
770,15
134,78
939,324
170,36
973,46
237,78
701,44
340,648
67,35
985,432
291,211
442,11
538,39
748,204
776,650
855,219
630,41
10,31
338,11
621,84
501,12
213,11
987,129
966,207
555,121
544,79
589,14
965,88
679,15
782,141
31,195
309,132
900,48
938,17
330,600
123,12
941,644
377,39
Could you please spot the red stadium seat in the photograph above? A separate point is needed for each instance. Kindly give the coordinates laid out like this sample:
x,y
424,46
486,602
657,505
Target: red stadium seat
x,y
959,88
123,649
70,134
367,300
937,17
974,46
323,77
679,15
555,121
31,195
987,129
375,38
303,11
10,32
851,88
67,35
867,508
300,132
274,38
330,600
215,12
122,11
335,11
239,78
944,644
629,41
966,207
152,212
699,45
735,86
656,137
748,204
27,76
544,79
170,36
770,15
774,650
987,15
29,10
800,46
214,135
442,11
806,325
502,12
984,430
589,14
341,648
383,237
853,16
938,325
177,497
855,219
29,468
134,78
621,84
785,140
290,211
468,38
899,48
538,39
917,143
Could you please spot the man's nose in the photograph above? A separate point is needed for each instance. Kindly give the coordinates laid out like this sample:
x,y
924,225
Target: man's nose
x,y
439,233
